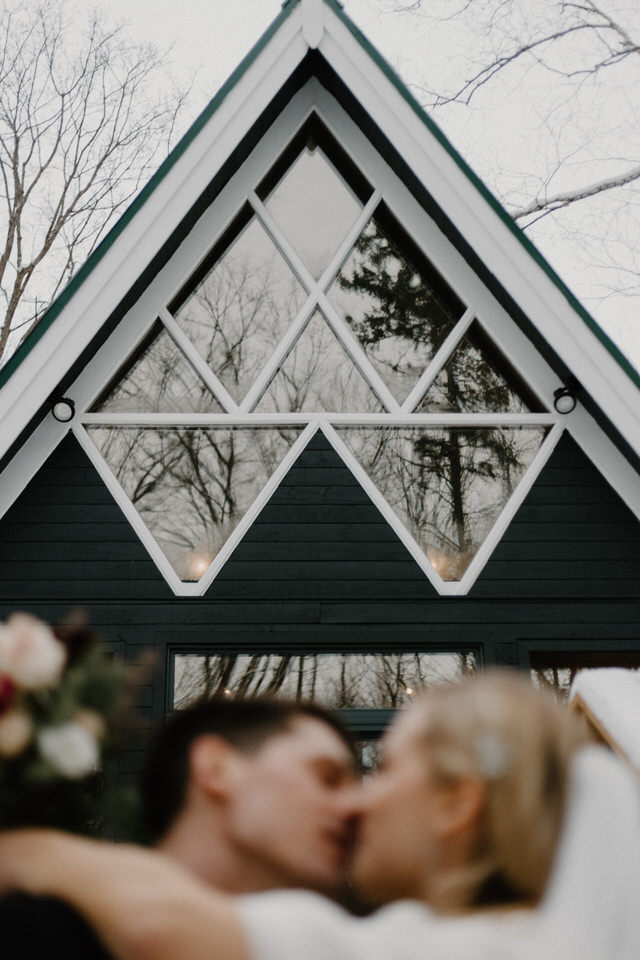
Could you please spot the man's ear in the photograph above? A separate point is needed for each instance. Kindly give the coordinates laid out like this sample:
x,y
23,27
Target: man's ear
x,y
462,805
214,766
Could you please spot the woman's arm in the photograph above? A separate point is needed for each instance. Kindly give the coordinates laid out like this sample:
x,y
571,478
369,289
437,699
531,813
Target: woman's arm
x,y
141,905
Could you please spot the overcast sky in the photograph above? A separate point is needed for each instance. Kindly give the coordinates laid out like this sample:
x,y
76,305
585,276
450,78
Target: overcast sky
x,y
501,135
496,135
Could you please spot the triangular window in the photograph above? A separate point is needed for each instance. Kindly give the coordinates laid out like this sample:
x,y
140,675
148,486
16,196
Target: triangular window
x,y
191,486
478,379
316,306
157,379
447,486
319,375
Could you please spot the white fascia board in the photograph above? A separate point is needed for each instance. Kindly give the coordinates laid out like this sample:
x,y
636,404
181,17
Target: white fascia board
x,y
485,231
111,278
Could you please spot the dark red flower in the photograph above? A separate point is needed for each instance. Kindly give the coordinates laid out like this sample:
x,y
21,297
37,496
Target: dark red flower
x,y
7,692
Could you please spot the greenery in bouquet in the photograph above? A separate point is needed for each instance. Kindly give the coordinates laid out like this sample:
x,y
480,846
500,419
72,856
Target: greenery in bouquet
x,y
59,698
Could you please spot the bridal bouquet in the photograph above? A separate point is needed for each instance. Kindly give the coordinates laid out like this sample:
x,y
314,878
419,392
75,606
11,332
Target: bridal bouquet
x,y
58,697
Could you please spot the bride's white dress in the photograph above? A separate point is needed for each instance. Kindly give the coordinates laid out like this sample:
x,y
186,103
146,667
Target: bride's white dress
x,y
592,907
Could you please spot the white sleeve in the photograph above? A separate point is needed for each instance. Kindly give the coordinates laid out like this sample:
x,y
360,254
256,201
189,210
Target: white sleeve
x,y
305,926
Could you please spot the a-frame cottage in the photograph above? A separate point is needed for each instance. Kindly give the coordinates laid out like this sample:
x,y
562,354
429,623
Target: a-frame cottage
x,y
316,415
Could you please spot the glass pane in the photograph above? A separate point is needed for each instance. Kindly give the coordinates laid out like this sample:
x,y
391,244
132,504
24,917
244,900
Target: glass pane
x,y
319,375
448,486
314,208
557,671
338,680
478,379
397,305
192,486
240,310
157,379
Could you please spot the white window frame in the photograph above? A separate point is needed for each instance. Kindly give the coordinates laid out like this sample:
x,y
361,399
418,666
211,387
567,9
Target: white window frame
x,y
153,305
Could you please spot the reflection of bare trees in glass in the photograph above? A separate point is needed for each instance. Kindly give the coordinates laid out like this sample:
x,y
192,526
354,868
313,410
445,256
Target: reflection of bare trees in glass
x,y
159,380
318,374
448,486
192,486
239,312
347,680
477,379
399,313
558,677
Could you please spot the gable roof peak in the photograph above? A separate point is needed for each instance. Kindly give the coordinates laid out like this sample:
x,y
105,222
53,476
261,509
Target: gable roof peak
x,y
313,22
312,19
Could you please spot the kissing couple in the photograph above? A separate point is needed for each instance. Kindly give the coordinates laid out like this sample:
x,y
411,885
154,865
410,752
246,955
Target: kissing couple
x,y
489,833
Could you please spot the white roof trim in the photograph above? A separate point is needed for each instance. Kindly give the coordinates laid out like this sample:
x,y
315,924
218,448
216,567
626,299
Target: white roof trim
x,y
314,23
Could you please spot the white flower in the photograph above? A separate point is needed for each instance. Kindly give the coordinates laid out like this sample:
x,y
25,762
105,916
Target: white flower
x,y
29,652
15,733
69,748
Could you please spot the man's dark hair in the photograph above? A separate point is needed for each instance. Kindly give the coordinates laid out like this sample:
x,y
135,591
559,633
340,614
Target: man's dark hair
x,y
244,723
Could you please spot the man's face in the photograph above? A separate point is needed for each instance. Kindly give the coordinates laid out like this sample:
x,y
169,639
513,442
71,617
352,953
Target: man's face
x,y
293,806
397,831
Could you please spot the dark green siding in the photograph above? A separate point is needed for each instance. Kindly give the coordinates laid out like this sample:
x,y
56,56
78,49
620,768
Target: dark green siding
x,y
321,568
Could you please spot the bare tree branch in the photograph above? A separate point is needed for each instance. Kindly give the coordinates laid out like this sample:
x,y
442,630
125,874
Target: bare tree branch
x,y
555,202
81,129
584,47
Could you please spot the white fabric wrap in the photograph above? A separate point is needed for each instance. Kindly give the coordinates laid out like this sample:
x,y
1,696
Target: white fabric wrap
x,y
591,910
304,926
592,907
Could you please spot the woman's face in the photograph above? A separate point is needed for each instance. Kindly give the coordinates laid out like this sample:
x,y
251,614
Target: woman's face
x,y
399,838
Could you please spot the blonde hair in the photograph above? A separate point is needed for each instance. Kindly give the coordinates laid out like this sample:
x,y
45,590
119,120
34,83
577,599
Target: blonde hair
x,y
496,728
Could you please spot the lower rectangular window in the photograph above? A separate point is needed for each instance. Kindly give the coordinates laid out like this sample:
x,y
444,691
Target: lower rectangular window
x,y
556,669
344,681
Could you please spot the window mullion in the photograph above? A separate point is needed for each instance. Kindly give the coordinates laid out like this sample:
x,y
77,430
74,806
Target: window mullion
x,y
197,361
279,356
350,240
354,348
439,359
246,418
286,249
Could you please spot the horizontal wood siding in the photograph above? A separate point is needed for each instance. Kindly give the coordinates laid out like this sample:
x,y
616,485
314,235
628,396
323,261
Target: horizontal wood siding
x,y
321,568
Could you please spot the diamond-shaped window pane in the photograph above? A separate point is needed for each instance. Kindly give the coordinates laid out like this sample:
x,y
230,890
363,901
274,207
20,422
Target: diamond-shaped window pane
x,y
314,207
478,379
447,486
318,375
397,305
241,308
157,379
192,486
